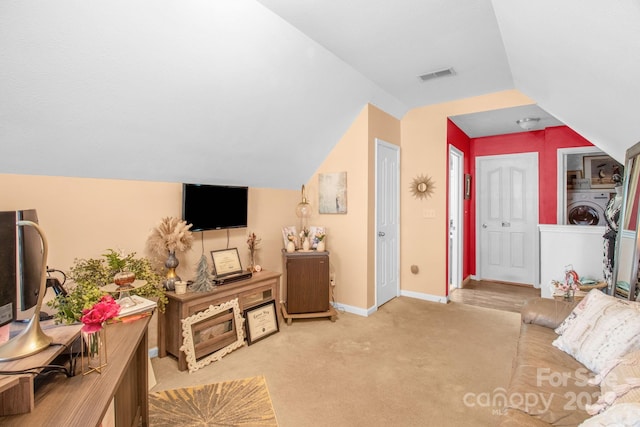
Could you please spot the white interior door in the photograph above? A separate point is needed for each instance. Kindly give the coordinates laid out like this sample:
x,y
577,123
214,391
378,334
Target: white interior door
x,y
456,162
387,221
507,206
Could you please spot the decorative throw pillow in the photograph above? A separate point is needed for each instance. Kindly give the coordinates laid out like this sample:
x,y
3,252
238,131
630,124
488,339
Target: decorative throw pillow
x,y
623,415
606,329
577,310
619,383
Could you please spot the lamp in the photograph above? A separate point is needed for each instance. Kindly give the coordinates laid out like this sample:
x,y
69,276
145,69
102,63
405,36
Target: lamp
x,y
303,210
31,340
528,123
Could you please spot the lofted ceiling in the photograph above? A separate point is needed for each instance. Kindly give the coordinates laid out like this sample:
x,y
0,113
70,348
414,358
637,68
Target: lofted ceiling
x,y
197,90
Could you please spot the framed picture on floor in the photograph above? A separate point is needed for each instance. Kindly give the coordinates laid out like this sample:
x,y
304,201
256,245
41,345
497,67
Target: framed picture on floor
x,y
261,321
212,333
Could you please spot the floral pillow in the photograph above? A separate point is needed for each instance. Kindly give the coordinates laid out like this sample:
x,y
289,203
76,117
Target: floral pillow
x,y
606,329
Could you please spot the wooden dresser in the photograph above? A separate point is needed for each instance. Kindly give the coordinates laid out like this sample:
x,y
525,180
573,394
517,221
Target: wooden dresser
x,y
262,287
83,400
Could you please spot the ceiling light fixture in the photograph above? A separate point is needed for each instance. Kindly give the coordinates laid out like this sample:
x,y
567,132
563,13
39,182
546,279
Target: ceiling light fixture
x,y
528,123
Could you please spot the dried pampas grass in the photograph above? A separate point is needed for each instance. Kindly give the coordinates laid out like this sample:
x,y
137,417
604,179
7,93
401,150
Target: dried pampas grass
x,y
171,234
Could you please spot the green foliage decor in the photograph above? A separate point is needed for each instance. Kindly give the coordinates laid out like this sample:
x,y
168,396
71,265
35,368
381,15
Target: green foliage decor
x,y
90,275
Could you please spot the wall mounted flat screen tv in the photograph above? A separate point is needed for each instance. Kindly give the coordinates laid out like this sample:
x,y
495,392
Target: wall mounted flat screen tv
x,y
214,207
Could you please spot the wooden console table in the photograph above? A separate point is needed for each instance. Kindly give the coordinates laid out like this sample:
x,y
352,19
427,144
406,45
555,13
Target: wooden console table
x,y
83,400
262,287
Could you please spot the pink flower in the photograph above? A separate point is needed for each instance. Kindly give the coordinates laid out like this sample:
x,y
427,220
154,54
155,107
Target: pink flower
x,y
105,309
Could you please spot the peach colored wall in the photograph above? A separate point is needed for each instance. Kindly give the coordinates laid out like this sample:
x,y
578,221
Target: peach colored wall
x,y
349,237
82,217
346,233
424,151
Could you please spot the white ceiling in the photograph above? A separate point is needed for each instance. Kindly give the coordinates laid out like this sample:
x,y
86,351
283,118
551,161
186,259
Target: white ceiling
x,y
393,42
504,121
198,90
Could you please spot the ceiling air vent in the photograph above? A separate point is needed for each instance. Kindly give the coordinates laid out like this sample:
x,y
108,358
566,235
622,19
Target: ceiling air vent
x,y
435,74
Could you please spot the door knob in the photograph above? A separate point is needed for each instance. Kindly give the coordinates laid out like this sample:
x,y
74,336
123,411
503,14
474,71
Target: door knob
x,y
380,233
506,224
484,225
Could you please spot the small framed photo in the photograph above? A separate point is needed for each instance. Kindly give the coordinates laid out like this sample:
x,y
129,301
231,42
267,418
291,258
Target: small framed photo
x,y
261,321
314,230
599,170
573,175
287,231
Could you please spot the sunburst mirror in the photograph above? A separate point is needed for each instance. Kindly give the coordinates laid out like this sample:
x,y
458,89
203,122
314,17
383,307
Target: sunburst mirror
x,y
422,187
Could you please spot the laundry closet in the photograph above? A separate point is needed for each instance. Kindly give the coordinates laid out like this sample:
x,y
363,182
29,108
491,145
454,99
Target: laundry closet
x,y
590,186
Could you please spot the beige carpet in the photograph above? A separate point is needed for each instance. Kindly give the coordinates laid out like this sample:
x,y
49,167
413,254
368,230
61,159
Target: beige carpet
x,y
243,402
412,363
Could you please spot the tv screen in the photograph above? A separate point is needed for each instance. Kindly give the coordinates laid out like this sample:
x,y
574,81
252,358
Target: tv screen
x,y
8,267
30,260
214,207
20,265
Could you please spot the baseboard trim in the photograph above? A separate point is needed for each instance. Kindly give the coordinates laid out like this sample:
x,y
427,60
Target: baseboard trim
x,y
353,310
425,297
368,312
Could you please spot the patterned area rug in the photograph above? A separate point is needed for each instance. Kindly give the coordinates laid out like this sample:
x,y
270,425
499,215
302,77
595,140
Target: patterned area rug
x,y
243,402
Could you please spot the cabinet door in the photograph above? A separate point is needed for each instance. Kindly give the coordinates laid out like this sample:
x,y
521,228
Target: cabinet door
x,y
308,284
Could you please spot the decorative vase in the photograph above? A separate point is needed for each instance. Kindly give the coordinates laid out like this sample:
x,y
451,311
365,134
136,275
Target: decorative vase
x,y
171,263
94,351
124,278
252,261
305,244
291,247
568,296
320,246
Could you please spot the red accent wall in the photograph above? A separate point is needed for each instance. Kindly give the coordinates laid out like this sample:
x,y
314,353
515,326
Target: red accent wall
x,y
461,141
544,142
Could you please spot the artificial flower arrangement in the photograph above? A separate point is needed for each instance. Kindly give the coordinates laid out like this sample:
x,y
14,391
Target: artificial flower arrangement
x,y
171,234
94,318
320,235
304,233
570,284
291,237
252,242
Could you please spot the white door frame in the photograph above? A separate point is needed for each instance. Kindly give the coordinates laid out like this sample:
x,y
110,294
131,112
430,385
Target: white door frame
x,y
456,196
379,143
536,249
562,177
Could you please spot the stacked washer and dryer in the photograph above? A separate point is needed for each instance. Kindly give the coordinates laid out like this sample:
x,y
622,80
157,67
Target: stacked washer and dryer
x,y
587,206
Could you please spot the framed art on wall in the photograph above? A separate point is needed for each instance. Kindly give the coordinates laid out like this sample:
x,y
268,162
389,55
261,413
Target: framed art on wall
x,y
332,193
599,170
